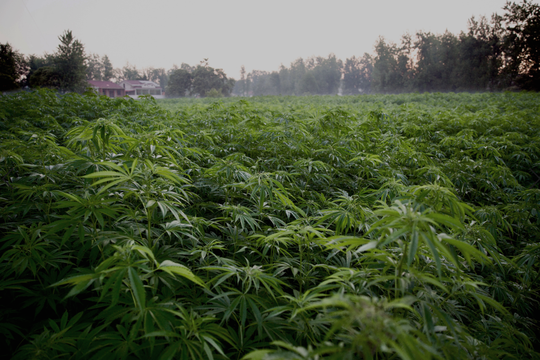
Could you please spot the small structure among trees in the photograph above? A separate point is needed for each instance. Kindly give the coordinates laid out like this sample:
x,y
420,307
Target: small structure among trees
x,y
107,88
136,88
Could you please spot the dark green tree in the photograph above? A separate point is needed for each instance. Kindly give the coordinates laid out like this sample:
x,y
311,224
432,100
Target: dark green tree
x,y
357,75
248,84
327,73
351,76
242,87
206,78
242,83
366,71
108,71
180,81
286,81
13,68
259,83
70,62
296,74
436,63
479,57
308,84
265,83
158,75
521,43
47,77
35,62
94,67
390,68
275,83
130,72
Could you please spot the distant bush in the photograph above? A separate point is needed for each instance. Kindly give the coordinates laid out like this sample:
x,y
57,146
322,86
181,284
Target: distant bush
x,y
213,93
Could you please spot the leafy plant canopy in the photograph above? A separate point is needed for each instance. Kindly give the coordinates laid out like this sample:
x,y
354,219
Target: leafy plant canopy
x,y
362,227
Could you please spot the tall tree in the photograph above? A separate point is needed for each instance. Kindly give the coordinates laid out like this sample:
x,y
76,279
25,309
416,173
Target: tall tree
x,y
35,62
275,83
70,61
13,68
308,85
206,78
366,71
94,67
130,72
351,76
521,43
180,81
296,73
108,71
286,81
436,62
243,87
327,73
158,75
357,75
479,54
46,76
201,80
390,67
259,84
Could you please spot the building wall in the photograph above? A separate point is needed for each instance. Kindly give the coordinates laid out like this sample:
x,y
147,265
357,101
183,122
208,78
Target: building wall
x,y
112,93
154,96
136,91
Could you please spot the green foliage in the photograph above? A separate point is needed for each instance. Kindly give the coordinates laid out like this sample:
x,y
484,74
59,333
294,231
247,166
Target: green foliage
x,y
179,83
206,78
70,62
521,43
65,70
200,81
357,75
46,77
315,75
371,227
13,67
500,53
99,68
214,93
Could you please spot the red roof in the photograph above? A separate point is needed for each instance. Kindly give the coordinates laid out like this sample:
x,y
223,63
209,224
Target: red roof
x,y
104,84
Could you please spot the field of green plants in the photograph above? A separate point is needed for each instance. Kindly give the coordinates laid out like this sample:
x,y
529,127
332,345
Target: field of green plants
x,y
363,227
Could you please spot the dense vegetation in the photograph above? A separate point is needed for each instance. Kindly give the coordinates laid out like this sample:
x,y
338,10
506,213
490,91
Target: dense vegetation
x,y
493,54
372,227
69,69
201,81
497,54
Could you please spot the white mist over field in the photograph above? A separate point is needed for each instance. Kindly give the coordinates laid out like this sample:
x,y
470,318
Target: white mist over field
x,y
258,34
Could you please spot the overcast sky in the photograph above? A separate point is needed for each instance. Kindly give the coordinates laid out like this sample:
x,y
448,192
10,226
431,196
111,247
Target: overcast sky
x,y
230,33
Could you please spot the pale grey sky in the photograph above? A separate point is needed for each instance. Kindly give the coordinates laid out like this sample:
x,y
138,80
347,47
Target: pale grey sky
x,y
258,34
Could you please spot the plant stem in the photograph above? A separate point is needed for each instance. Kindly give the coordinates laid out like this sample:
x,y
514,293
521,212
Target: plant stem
x,y
400,267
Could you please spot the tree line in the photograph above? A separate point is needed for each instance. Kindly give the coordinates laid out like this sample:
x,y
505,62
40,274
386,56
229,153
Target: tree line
x,y
64,70
497,54
69,69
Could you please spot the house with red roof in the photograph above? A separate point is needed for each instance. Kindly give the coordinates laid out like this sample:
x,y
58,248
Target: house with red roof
x,y
136,88
107,88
